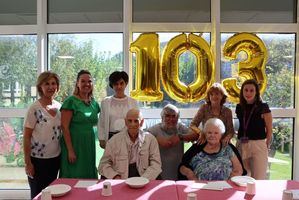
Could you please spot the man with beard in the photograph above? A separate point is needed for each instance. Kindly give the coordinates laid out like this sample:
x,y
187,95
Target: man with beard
x,y
171,135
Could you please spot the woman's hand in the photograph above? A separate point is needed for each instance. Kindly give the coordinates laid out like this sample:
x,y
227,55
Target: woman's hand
x,y
188,173
164,142
29,169
225,140
72,156
201,139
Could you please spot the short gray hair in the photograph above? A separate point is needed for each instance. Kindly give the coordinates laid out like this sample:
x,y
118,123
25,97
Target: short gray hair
x,y
215,122
170,109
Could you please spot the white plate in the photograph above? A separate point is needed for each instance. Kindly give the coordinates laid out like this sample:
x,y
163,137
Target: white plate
x,y
241,180
59,189
137,182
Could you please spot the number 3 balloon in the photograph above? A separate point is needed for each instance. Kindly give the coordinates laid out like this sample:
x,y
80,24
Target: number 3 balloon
x,y
251,68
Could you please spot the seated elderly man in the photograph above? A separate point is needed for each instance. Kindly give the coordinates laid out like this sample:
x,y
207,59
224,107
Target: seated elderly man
x,y
170,135
131,152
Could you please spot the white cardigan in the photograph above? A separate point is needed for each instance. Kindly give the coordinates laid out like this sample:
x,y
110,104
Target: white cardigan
x,y
103,124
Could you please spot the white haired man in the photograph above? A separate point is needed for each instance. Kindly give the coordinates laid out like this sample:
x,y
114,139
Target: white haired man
x,y
171,135
131,152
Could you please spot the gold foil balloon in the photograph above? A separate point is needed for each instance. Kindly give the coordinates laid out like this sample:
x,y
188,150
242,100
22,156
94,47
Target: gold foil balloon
x,y
251,68
170,68
147,79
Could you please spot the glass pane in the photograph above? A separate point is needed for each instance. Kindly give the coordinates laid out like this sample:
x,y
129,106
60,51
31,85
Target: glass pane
x,y
87,11
280,156
17,70
16,12
256,11
171,11
281,60
11,154
187,63
99,53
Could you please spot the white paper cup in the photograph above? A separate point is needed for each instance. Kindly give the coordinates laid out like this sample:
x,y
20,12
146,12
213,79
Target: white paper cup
x,y
106,190
287,195
191,196
250,189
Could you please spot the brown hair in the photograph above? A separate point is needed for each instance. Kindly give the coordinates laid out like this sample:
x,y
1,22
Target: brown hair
x,y
44,77
76,90
258,98
216,87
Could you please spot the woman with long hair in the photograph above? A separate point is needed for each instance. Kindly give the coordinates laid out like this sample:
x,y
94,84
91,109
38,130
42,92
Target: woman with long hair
x,y
79,116
255,131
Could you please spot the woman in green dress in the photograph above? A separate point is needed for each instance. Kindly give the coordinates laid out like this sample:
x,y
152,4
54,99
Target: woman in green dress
x,y
79,117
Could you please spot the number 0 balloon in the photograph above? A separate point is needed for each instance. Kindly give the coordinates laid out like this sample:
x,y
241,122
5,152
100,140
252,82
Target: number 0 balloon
x,y
170,68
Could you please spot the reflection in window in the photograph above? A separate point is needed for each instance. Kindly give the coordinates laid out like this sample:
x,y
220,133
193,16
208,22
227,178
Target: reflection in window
x,y
187,64
17,70
171,11
256,11
101,54
16,12
87,11
11,154
281,60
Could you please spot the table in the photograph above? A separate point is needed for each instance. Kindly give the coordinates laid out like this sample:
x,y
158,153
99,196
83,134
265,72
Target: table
x,y
156,189
265,190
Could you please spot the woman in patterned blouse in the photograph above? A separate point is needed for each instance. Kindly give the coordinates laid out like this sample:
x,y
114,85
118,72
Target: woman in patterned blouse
x,y
42,134
212,160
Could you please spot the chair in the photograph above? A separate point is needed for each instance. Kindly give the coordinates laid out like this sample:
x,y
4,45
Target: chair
x,y
196,148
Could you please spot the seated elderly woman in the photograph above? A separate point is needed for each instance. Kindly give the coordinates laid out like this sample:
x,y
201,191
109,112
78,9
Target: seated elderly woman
x,y
212,160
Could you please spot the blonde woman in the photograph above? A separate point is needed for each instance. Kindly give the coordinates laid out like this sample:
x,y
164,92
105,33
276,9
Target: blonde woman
x,y
214,107
42,135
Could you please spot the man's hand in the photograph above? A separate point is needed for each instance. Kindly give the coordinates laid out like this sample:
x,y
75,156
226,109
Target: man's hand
x,y
103,144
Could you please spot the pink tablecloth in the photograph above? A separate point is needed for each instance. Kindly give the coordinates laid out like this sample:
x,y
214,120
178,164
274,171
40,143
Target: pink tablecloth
x,y
120,191
265,190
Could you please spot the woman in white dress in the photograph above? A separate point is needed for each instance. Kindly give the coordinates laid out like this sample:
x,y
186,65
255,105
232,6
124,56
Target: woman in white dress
x,y
114,108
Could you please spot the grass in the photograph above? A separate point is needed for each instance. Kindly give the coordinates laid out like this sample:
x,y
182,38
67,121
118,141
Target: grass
x,y
279,171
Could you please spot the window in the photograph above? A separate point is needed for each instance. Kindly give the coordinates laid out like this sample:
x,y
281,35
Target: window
x,y
187,70
17,70
171,11
15,12
99,53
88,11
255,11
280,68
11,154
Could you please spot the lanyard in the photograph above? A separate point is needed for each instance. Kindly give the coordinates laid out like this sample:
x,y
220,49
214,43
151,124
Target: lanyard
x,y
246,123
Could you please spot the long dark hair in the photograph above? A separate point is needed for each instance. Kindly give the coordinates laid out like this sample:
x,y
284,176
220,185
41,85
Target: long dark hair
x,y
258,98
76,90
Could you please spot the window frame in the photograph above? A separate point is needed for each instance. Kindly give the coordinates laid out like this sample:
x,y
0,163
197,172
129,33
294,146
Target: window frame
x,y
128,27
